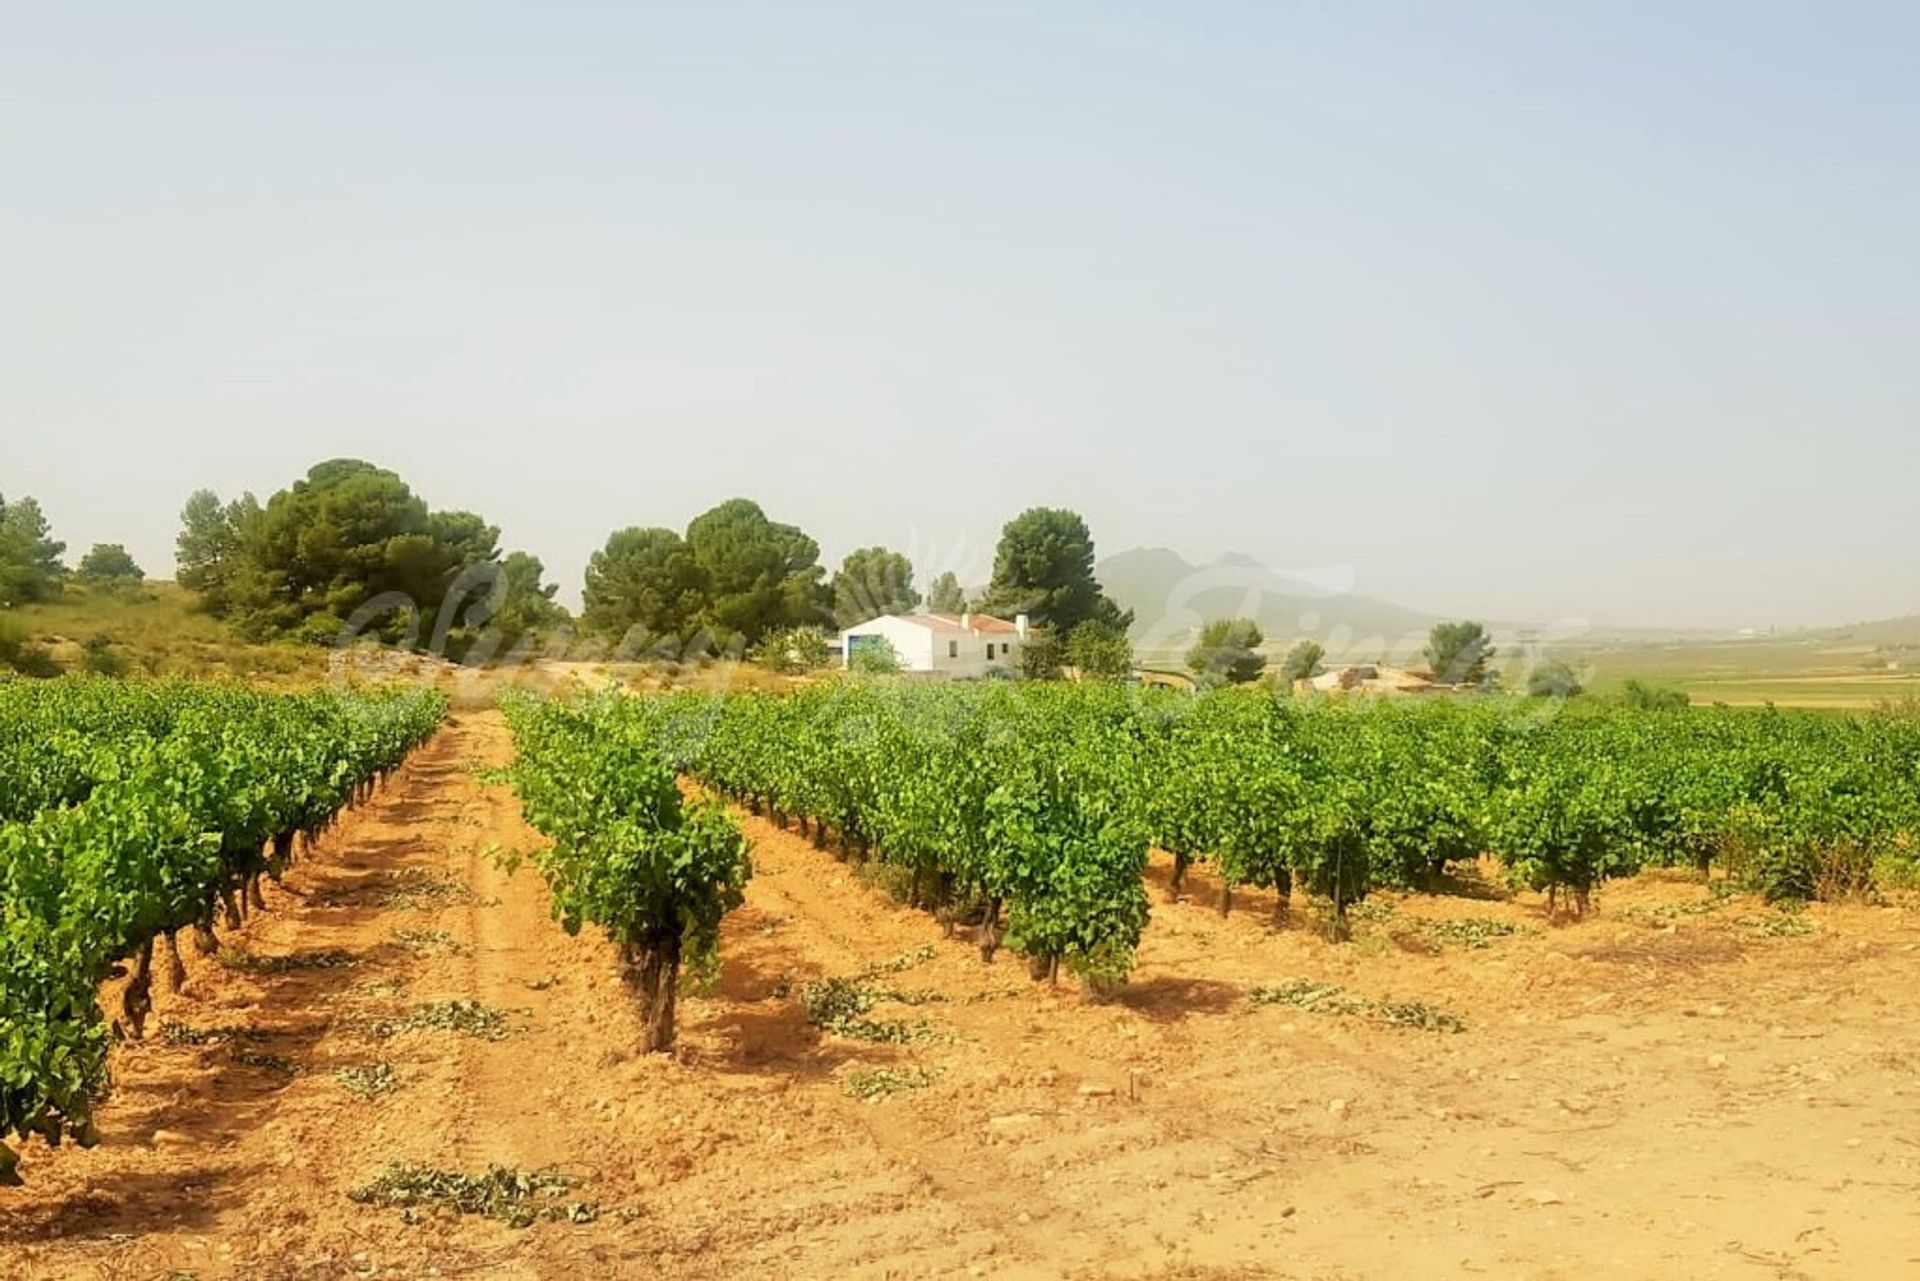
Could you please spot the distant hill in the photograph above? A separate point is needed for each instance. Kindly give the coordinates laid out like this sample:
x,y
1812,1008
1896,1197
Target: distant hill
x,y
1170,597
1885,631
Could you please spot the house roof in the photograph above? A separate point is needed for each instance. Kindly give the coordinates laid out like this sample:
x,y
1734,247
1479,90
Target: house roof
x,y
951,624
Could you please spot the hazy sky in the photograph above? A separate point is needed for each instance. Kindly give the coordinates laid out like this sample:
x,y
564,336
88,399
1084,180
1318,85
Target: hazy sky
x,y
1525,310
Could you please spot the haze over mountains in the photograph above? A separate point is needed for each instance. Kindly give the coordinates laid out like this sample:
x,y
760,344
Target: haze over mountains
x,y
1171,596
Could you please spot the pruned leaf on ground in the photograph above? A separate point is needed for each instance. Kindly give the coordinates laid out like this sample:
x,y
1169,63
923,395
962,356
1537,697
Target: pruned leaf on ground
x,y
173,1032
367,1080
410,887
259,1059
1778,925
518,1198
466,1017
428,942
905,961
839,1006
235,958
1329,998
1471,932
875,1084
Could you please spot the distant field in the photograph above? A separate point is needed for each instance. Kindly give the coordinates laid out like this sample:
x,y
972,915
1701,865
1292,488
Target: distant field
x,y
1808,672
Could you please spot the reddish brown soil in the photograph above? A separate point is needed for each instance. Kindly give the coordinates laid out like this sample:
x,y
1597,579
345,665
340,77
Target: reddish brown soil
x,y
1633,1097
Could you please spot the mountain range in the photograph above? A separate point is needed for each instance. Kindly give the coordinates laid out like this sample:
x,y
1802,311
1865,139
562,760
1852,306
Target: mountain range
x,y
1171,596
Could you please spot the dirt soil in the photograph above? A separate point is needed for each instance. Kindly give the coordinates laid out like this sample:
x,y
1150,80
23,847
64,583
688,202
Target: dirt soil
x,y
1681,1086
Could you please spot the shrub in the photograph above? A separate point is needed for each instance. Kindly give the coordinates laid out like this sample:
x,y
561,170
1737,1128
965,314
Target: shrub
x,y
1553,680
24,656
1227,652
98,657
1785,873
1653,698
791,650
1100,651
1302,661
875,657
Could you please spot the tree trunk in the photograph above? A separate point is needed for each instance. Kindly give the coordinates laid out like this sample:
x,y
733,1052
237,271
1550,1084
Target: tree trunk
x,y
1282,895
657,978
990,930
1181,862
1339,928
176,968
137,1001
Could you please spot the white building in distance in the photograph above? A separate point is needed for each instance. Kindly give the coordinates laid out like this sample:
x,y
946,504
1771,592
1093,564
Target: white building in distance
x,y
965,647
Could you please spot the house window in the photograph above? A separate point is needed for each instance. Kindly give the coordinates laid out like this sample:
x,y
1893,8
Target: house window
x,y
953,649
989,651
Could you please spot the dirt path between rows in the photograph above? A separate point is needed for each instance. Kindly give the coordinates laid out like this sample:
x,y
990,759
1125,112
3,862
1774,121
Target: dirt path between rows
x,y
1680,1087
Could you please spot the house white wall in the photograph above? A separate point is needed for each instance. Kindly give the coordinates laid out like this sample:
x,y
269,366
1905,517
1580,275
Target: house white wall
x,y
911,641
961,654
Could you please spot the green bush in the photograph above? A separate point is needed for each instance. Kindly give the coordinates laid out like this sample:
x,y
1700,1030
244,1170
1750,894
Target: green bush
x,y
1553,680
99,658
1653,698
876,657
24,656
1785,873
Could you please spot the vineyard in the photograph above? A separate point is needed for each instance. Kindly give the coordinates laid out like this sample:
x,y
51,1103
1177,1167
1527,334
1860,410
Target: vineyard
x,y
129,813
1030,810
413,1065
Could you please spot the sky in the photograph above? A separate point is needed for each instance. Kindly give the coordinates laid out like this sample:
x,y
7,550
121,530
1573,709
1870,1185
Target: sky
x,y
1532,312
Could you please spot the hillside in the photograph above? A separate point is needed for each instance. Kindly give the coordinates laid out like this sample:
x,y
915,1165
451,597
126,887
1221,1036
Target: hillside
x,y
154,630
1170,596
1893,633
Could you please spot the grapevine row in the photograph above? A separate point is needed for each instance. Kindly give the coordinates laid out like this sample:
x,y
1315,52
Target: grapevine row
x,y
156,809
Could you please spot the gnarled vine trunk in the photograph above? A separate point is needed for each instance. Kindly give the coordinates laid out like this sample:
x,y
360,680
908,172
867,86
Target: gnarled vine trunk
x,y
990,930
176,968
1282,895
137,1002
653,972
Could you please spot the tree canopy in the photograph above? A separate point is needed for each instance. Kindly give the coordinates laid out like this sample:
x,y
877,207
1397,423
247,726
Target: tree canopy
x,y
735,575
645,579
870,582
1044,568
1460,653
1227,652
1100,651
210,549
1305,659
350,544
756,574
109,564
30,565
521,601
947,596
1553,680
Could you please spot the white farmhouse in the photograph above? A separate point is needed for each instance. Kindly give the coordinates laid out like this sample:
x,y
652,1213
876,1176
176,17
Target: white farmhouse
x,y
965,647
